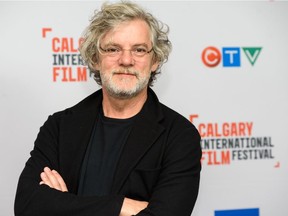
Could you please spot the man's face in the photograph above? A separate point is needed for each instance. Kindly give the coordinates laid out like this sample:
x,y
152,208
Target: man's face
x,y
125,61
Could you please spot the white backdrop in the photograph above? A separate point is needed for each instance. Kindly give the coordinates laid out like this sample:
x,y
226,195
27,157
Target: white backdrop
x,y
228,103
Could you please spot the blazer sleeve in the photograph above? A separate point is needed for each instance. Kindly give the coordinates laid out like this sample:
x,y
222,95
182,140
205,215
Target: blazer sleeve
x,y
33,199
177,188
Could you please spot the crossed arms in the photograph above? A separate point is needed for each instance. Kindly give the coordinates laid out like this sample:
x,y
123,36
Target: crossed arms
x,y
54,180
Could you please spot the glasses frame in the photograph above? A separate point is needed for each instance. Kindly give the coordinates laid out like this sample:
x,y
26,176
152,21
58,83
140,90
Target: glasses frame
x,y
120,53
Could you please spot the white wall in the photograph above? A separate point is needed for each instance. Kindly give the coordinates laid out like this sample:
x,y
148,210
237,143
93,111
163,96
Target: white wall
x,y
250,101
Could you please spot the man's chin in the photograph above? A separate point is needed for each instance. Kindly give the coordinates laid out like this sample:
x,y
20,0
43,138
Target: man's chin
x,y
124,93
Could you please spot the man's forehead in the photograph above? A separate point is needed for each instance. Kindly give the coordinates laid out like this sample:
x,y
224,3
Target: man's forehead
x,y
134,32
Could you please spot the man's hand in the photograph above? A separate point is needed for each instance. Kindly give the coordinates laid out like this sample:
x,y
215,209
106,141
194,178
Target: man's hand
x,y
132,207
53,179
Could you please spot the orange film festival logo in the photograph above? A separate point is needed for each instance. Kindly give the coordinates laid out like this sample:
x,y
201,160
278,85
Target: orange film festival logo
x,y
227,142
67,64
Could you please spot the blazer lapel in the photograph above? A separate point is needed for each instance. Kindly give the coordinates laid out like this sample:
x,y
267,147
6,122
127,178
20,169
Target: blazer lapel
x,y
143,135
77,128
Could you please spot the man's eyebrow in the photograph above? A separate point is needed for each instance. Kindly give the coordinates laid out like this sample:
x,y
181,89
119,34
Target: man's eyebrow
x,y
140,44
118,45
111,44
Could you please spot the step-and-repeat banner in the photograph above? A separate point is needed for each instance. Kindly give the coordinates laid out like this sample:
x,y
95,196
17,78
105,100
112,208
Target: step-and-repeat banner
x,y
228,74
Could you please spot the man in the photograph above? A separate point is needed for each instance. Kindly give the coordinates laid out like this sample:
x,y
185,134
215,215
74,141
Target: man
x,y
119,151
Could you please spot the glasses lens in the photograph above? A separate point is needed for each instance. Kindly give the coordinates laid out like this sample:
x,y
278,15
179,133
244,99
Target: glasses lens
x,y
113,51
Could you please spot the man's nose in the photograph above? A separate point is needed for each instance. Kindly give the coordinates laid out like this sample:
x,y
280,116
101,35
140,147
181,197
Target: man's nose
x,y
126,58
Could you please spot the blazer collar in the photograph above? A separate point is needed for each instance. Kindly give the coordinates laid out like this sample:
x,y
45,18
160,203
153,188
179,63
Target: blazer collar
x,y
143,135
77,127
80,122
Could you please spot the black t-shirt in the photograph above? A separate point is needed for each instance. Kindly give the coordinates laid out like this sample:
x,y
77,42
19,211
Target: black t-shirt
x,y
104,149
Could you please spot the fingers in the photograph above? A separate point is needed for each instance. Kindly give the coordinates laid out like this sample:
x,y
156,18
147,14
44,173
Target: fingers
x,y
53,179
60,181
132,207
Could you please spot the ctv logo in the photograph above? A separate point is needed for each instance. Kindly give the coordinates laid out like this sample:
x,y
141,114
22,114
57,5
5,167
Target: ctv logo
x,y
230,56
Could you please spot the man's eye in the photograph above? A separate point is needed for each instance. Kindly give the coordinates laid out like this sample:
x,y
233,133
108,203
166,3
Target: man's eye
x,y
140,50
112,50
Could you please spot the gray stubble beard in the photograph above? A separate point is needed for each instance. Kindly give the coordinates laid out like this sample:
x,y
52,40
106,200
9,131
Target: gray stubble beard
x,y
115,92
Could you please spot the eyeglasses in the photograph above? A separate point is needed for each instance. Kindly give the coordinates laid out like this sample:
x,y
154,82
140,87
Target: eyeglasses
x,y
114,51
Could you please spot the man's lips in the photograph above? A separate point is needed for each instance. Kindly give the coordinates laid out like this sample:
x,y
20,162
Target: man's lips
x,y
125,74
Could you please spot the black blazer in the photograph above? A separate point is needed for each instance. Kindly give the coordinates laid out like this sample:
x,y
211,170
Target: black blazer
x,y
160,163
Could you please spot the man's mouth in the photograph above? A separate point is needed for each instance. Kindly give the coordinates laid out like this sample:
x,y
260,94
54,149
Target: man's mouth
x,y
125,73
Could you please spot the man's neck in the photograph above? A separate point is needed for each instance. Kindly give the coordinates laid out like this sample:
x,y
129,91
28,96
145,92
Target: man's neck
x,y
123,108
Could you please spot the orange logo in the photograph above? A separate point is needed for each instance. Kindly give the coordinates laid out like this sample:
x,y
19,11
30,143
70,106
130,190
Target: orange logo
x,y
211,56
226,142
67,64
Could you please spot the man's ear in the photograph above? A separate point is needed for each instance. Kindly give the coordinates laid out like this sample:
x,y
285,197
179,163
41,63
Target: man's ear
x,y
154,66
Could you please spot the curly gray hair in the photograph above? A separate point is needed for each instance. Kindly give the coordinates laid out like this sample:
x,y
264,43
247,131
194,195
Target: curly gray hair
x,y
108,18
